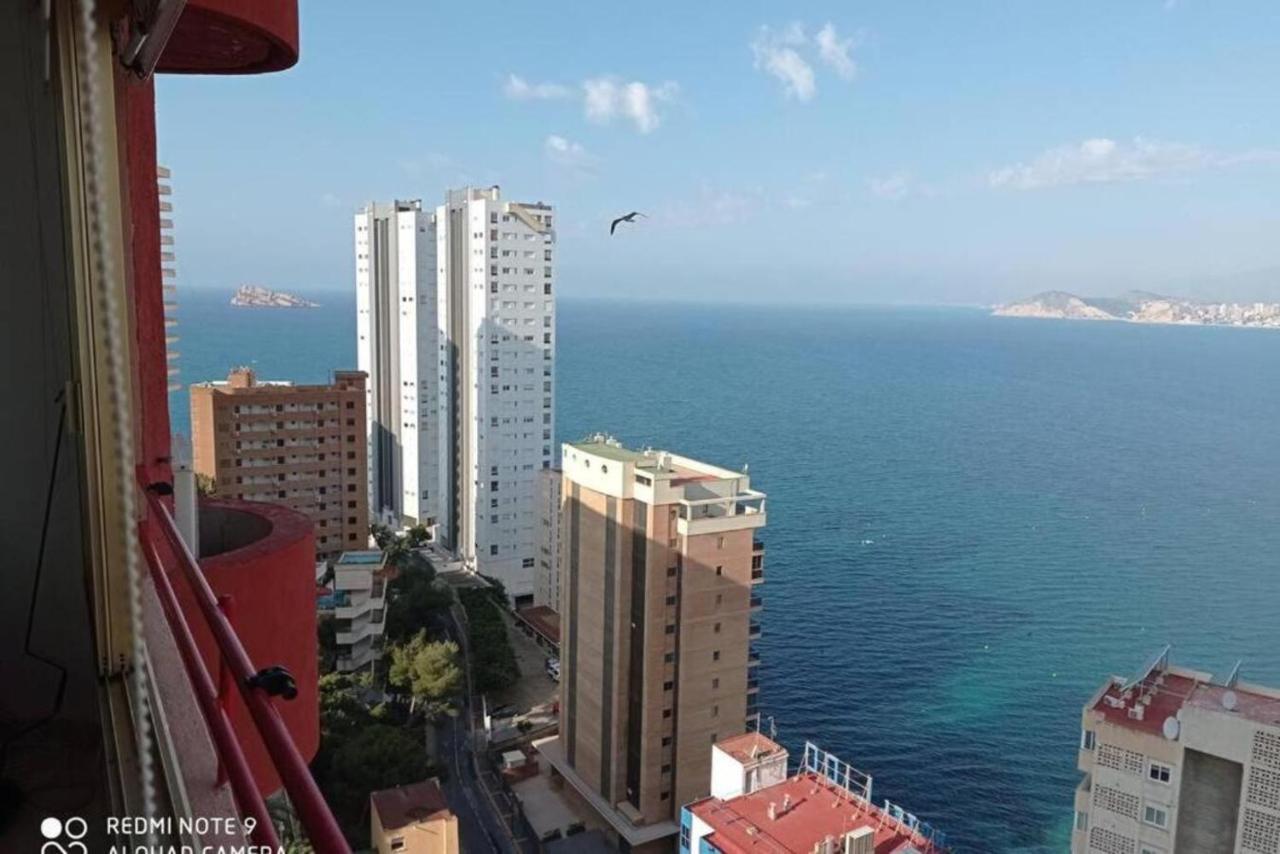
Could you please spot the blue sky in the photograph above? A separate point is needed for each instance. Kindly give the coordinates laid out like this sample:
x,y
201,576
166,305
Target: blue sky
x,y
851,152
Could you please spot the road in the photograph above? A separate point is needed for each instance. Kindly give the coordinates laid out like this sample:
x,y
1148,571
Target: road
x,y
479,827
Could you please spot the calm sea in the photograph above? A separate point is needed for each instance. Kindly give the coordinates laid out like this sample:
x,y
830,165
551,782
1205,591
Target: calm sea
x,y
972,520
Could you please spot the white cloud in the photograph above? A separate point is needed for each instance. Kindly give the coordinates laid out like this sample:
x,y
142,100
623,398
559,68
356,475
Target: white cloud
x,y
776,53
892,187
330,200
790,54
1102,161
519,89
605,98
567,153
835,53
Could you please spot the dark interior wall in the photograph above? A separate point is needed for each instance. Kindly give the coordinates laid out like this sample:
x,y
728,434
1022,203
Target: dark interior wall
x,y
50,738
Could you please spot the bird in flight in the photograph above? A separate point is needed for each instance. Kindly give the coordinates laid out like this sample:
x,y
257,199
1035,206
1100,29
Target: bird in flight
x,y
631,217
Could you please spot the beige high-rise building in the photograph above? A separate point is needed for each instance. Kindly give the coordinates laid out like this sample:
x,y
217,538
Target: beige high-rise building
x,y
659,563
302,446
1175,760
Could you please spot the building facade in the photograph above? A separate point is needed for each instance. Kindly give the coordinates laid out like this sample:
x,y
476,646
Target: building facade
x,y
302,446
168,274
657,617
825,807
1176,761
546,582
413,819
360,581
456,328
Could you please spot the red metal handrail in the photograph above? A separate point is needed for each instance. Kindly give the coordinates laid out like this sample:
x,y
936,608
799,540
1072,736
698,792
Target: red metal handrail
x,y
231,761
313,813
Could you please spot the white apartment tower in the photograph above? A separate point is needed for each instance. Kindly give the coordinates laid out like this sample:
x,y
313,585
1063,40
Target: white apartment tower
x,y
457,333
402,347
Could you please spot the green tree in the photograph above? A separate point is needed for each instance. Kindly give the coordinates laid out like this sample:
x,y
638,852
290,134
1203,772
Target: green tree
x,y
418,536
327,630
493,660
376,757
206,485
428,670
381,534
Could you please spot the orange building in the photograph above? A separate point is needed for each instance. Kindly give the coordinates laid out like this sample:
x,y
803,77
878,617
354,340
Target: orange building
x,y
302,446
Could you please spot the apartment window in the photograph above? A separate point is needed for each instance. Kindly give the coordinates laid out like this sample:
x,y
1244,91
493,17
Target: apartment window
x,y
493,549
715,655
1082,820
527,562
397,843
671,572
1088,738
719,542
1150,849
715,683
666,796
666,713
669,657
715,713
668,686
493,486
666,741
671,600
671,630
666,769
1156,816
716,628
1159,773
719,598
719,570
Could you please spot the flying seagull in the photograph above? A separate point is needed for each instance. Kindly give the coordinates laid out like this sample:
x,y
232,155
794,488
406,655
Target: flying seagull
x,y
631,217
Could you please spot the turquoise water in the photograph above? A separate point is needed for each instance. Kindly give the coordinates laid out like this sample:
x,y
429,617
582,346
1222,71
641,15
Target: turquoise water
x,y
972,520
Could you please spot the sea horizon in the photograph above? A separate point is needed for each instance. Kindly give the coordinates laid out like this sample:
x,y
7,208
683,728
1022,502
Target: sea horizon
x,y
983,520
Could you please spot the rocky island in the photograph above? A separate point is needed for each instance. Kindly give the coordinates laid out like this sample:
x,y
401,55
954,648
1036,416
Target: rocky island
x,y
256,297
1144,307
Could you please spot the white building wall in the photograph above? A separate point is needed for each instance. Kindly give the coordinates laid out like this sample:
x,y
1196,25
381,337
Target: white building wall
x,y
500,338
510,338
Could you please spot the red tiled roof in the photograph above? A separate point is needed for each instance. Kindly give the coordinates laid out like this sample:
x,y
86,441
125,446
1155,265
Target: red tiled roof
x,y
1166,699
406,805
816,809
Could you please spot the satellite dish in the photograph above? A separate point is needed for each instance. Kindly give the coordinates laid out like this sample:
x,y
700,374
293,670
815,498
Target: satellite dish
x,y
1230,700
1171,728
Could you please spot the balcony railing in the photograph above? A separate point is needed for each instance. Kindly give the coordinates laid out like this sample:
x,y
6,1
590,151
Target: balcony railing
x,y
313,813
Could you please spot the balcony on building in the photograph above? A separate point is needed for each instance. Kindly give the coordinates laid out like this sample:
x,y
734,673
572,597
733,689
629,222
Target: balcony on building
x,y
174,671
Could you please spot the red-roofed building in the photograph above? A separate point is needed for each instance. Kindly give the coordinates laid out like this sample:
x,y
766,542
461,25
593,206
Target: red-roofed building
x,y
413,819
825,807
1176,761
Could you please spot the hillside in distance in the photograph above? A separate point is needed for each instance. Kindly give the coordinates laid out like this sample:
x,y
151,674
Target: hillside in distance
x,y
1143,307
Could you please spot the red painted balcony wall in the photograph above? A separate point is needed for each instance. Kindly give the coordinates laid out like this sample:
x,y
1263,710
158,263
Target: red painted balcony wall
x,y
263,556
233,37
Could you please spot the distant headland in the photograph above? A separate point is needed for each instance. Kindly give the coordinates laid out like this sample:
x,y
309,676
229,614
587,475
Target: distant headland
x,y
1144,307
256,297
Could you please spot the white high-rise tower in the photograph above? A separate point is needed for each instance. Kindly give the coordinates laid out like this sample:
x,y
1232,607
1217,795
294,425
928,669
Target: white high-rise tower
x,y
470,362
